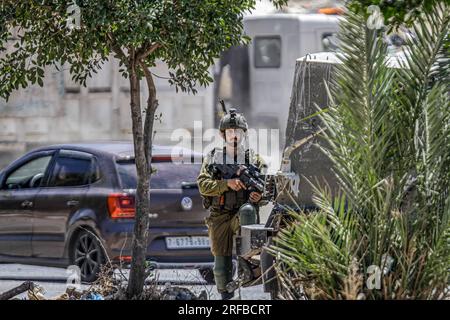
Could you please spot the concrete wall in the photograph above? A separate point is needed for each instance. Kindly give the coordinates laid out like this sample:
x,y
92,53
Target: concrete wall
x,y
63,111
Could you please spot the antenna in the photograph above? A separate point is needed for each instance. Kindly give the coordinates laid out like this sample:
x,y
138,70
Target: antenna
x,y
224,109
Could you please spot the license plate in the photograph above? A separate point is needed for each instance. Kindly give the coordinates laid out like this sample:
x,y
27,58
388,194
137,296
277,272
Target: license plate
x,y
187,242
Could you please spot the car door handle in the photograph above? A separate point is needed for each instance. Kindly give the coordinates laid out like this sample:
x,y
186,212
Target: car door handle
x,y
72,203
26,204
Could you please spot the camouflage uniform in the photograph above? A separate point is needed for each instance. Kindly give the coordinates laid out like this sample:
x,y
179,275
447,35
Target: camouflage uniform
x,y
223,222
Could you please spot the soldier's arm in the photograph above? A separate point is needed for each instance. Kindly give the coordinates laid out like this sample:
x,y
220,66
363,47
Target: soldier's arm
x,y
207,185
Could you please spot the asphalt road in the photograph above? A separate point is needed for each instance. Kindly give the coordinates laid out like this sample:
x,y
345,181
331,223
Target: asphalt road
x,y
55,281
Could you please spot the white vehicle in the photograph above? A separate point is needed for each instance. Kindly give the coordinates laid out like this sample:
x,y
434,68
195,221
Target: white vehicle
x,y
278,39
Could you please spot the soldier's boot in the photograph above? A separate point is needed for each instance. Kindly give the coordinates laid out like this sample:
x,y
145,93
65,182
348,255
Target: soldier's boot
x,y
248,214
227,295
248,273
223,274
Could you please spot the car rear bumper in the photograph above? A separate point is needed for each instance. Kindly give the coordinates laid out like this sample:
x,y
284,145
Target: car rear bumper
x,y
118,237
168,265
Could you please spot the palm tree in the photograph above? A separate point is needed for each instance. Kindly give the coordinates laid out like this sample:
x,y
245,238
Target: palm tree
x,y
386,235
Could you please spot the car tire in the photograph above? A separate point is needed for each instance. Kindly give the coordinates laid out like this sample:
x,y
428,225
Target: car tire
x,y
88,254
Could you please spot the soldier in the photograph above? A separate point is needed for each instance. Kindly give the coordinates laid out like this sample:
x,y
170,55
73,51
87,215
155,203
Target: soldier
x,y
227,197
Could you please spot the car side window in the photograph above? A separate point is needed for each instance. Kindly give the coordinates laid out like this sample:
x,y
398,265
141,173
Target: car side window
x,y
70,171
29,175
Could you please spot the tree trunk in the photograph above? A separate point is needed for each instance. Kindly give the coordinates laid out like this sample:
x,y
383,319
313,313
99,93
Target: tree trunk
x,y
140,237
152,105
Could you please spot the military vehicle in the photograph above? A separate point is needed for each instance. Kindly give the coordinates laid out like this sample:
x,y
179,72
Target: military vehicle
x,y
302,161
260,73
288,189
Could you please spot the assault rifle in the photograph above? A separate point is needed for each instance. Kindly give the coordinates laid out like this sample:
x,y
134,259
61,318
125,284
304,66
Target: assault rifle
x,y
249,174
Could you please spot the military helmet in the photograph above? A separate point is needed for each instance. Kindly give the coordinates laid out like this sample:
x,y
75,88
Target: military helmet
x,y
233,120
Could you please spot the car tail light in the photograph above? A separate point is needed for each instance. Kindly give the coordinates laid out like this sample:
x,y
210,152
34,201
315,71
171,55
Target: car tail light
x,y
126,259
121,205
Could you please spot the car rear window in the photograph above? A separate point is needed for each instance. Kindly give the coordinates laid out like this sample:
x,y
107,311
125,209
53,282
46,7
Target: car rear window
x,y
168,175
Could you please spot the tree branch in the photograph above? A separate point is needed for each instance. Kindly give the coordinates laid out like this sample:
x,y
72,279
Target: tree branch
x,y
27,285
152,105
146,51
117,49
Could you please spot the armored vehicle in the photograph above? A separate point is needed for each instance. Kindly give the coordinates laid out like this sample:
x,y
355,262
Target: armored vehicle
x,y
302,162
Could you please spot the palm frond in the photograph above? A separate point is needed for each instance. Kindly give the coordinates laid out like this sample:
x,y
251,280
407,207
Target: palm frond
x,y
388,134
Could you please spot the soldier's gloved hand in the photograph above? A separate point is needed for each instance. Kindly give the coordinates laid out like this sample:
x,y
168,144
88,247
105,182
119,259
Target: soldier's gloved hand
x,y
255,197
235,184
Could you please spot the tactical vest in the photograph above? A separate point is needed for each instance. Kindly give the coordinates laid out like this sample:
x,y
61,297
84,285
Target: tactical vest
x,y
230,201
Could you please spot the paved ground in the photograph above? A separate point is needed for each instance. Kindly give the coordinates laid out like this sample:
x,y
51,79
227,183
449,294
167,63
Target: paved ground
x,y
12,275
56,279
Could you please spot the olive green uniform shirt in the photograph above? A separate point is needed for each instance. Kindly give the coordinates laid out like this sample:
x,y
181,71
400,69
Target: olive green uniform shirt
x,y
222,224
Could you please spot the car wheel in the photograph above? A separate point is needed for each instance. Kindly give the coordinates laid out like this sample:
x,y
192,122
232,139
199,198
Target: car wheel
x,y
88,255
